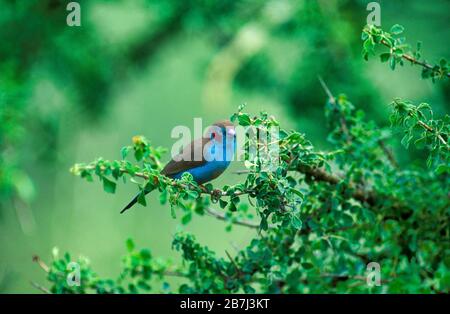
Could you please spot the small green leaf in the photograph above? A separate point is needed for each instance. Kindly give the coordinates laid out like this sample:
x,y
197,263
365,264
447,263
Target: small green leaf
x,y
384,57
244,119
138,154
442,168
368,45
419,46
264,225
364,36
223,203
397,29
186,218
232,207
109,186
235,200
173,214
392,63
130,245
307,266
143,285
141,198
296,222
192,194
124,151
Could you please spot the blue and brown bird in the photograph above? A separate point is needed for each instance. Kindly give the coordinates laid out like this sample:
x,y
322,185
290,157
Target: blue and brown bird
x,y
205,158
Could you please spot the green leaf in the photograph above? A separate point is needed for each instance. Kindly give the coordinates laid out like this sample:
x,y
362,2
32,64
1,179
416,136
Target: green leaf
x,y
364,36
173,214
264,225
186,218
392,63
419,46
442,168
368,45
232,207
143,285
130,245
244,119
192,194
384,57
307,265
109,186
223,203
235,200
420,142
163,197
296,222
397,29
141,198
124,151
366,55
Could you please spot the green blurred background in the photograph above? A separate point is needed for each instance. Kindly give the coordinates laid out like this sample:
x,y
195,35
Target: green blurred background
x,y
71,94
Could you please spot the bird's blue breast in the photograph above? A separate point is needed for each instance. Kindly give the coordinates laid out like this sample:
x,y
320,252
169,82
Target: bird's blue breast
x,y
215,166
206,172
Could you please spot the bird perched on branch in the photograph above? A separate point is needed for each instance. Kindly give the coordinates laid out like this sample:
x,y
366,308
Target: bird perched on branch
x,y
205,158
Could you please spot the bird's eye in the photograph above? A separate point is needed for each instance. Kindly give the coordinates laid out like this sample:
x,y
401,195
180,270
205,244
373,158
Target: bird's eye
x,y
213,135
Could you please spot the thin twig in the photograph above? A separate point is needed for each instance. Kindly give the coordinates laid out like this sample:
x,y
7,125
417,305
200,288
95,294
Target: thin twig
x,y
38,286
241,172
389,154
413,60
174,273
327,90
320,174
431,130
41,263
221,216
233,262
344,128
332,100
200,189
348,277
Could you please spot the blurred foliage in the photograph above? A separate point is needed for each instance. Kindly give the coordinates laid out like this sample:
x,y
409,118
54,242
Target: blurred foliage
x,y
273,49
139,267
318,227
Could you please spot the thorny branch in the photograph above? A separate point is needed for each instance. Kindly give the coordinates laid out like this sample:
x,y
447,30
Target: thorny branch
x,y
388,152
413,60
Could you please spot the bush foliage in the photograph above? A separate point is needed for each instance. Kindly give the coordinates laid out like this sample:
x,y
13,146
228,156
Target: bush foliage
x,y
320,217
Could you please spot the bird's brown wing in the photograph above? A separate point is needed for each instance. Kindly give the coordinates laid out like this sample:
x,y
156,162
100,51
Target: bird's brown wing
x,y
185,160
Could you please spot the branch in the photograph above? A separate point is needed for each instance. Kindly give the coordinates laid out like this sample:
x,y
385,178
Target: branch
x,y
201,189
39,287
389,154
344,128
319,174
340,277
239,272
322,175
173,273
431,130
41,264
332,101
415,113
413,60
45,268
221,216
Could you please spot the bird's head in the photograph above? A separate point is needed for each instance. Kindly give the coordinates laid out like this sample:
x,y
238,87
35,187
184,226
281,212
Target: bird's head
x,y
221,130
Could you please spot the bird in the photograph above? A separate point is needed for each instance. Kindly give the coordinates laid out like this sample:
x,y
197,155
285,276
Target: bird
x,y
205,158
